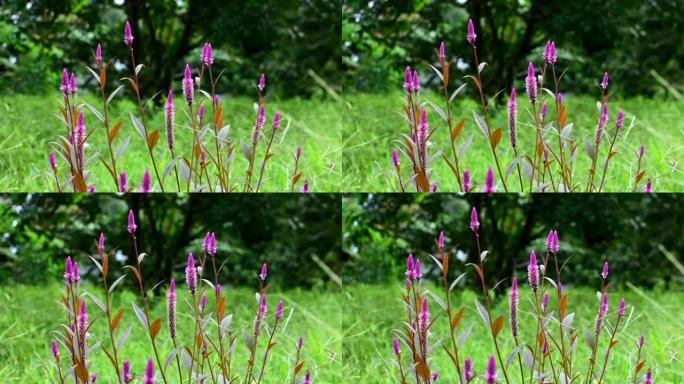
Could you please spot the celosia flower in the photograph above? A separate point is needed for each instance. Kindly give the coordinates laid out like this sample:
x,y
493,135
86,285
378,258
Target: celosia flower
x,y
261,120
305,188
203,303
128,36
424,316
604,272
395,345
217,101
169,117
93,378
123,183
466,181
512,118
101,243
603,120
513,302
642,340
55,349
620,119
468,369
550,52
207,55
171,299
276,121
262,83
603,310
64,85
263,306
146,185
440,241
642,150
435,376
200,112
533,271
127,376
559,98
604,81
91,188
307,377
471,36
82,322
72,83
191,274
545,301
441,54
649,186
474,223
417,270
188,85
434,186
490,185
131,222
53,160
531,83
408,80
545,347
80,134
552,244
621,307
649,377
98,55
395,158
300,342
264,272
490,374
298,153
149,373
423,131
210,243
544,110
410,266
75,273
68,268
279,309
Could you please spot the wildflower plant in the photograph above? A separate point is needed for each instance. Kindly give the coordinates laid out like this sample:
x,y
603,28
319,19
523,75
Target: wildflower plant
x,y
550,356
205,166
208,356
547,166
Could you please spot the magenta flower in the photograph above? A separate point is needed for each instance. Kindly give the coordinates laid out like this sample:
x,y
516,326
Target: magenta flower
x,y
513,303
200,112
490,375
649,186
415,82
127,375
98,54
263,306
621,307
53,160
424,316
435,376
276,121
146,185
533,271
395,158
123,183
550,52
642,150
468,369
298,153
512,118
91,188
471,36
305,188
169,117
279,309
395,346
207,55
82,321
68,270
191,274
604,81
408,80
545,301
203,303
307,377
128,36
75,273
131,223
417,270
188,85
55,349
80,134
72,83
217,101
603,311
440,241
171,299
604,272
620,119
434,186
466,181
474,223
261,117
210,243
300,342
264,272
642,340
93,378
101,243
149,373
441,53
423,130
552,244
559,98
649,377
490,185
410,266
603,120
262,83
531,83
544,110
64,85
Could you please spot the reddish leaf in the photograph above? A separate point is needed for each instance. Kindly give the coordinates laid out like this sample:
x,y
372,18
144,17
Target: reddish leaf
x,y
496,136
497,325
458,128
640,175
114,131
457,318
116,320
152,138
155,327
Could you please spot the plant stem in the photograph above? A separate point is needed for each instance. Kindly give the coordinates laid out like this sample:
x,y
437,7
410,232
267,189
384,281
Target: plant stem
x,y
105,106
111,331
219,319
270,339
219,162
610,346
263,163
453,144
194,144
453,338
605,166
175,169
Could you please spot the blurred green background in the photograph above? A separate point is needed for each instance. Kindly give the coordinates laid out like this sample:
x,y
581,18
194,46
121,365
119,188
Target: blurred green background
x,y
297,234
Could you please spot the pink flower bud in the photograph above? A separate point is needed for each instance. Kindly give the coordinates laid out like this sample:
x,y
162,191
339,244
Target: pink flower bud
x,y
533,271
188,85
191,274
123,183
471,36
264,272
53,161
149,373
490,185
531,82
604,81
467,186
128,36
279,310
262,83
442,52
131,223
604,272
98,55
395,346
146,185
207,56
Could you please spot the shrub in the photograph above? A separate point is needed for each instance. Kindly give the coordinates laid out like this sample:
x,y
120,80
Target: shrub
x,y
549,358
208,356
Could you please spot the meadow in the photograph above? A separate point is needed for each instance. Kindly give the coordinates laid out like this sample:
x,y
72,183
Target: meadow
x,y
29,125
374,312
373,124
30,315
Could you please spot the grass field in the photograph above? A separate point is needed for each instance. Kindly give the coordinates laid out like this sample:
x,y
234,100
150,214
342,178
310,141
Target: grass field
x,y
372,314
28,126
373,126
30,315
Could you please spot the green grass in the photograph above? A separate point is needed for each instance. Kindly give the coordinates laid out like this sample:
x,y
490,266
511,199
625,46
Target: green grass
x,y
31,314
373,124
28,126
373,313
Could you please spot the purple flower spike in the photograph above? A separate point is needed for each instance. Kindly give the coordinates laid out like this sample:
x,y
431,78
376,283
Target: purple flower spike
x,y
93,378
512,118
603,120
82,321
434,187
55,349
262,83
149,373
395,346
203,303
131,223
490,375
279,310
169,117
552,242
642,150
604,81
621,307
424,316
415,82
514,301
649,186
408,80
276,121
171,300
533,271
101,243
620,119
300,342
468,369
417,270
263,306
217,101
550,52
53,160
146,185
395,158
123,183
545,301
474,223
531,83
128,36
68,269
98,54
127,375
305,189
642,340
466,181
544,110
471,36
604,272
264,272
490,185
210,243
191,274
72,83
91,188
440,241
200,112
188,85
435,376
423,132
307,377
442,52
75,273
649,377
603,311
64,85
410,266
298,153
207,56
261,118
559,98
